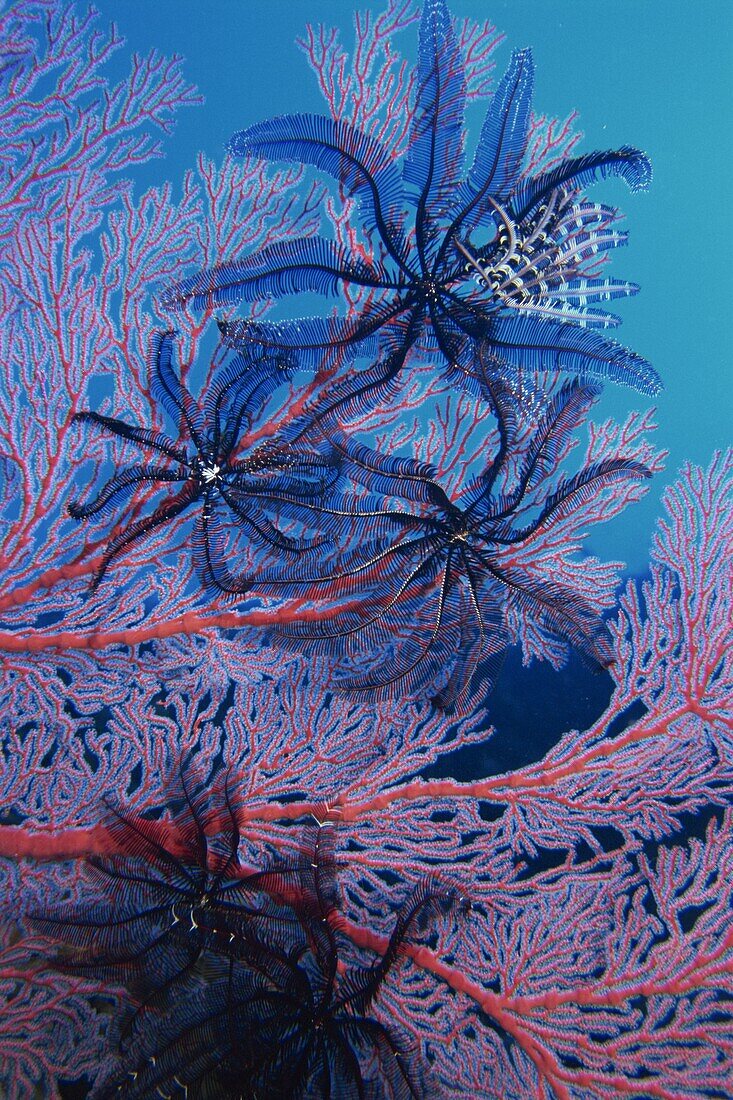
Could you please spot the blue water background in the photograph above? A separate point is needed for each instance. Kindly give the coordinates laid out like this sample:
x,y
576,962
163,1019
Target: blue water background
x,y
655,74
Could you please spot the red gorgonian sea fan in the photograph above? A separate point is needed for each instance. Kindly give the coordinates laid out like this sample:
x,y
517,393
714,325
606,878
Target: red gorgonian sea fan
x,y
596,957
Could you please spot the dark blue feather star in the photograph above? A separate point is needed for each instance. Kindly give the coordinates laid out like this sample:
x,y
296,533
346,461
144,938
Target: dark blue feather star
x,y
171,893
494,257
205,468
422,587
279,1014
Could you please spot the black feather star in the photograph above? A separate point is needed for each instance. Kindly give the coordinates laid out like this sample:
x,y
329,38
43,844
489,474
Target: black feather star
x,y
205,467
496,257
279,1016
170,891
421,586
